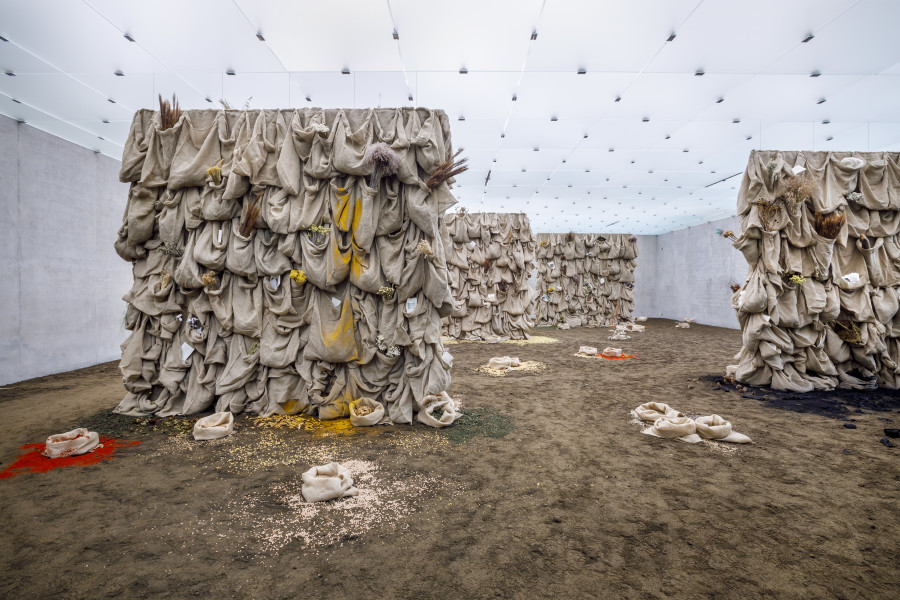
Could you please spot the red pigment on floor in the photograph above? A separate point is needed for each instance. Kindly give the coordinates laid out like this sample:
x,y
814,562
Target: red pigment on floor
x,y
35,462
616,357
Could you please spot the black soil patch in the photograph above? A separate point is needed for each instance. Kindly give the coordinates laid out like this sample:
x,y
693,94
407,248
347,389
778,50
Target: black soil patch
x,y
835,404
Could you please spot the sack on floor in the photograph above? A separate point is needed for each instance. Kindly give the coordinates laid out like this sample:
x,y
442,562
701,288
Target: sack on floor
x,y
72,443
683,429
215,426
365,412
589,350
503,362
443,403
327,482
610,351
714,427
651,411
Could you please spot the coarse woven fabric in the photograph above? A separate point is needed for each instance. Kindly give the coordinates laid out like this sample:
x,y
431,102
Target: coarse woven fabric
x,y
285,318
819,313
490,257
585,281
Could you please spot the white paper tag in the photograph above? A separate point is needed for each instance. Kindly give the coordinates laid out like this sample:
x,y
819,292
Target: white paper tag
x,y
492,297
797,169
336,302
411,304
178,316
472,244
186,350
220,236
275,281
550,264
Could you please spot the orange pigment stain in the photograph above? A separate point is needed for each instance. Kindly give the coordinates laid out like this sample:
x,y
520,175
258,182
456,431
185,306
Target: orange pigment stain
x,y
35,462
624,356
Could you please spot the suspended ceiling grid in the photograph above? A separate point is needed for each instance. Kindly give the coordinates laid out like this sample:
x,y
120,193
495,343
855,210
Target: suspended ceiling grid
x,y
592,115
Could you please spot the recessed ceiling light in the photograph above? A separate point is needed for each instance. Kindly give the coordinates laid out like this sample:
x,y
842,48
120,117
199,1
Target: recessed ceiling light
x,y
16,101
699,73
10,73
208,99
749,137
100,138
345,71
230,72
395,35
110,100
825,122
645,120
582,71
308,99
815,74
533,34
821,101
720,100
585,136
523,170
128,37
502,135
410,98
536,149
587,170
463,71
259,36
462,117
106,121
618,99
668,137
735,120
612,150
515,97
829,138
119,74
808,37
671,37
553,119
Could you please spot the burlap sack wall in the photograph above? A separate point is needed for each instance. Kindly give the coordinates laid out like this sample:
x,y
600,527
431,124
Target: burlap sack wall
x,y
490,257
586,281
260,341
825,329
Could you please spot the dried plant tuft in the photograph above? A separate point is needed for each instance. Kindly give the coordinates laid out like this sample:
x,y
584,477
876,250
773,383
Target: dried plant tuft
x,y
386,161
248,221
447,170
172,249
569,237
215,173
735,287
169,113
767,213
797,189
209,280
847,331
829,225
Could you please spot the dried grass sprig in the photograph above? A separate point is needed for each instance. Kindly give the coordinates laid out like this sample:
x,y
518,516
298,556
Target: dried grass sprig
x,y
164,278
735,287
487,263
848,331
253,349
317,233
446,170
729,235
172,249
461,210
298,276
215,173
569,237
386,162
829,225
424,248
169,113
854,196
767,212
386,292
248,221
864,242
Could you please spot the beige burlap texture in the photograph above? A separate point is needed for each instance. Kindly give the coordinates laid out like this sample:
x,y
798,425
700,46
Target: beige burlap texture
x,y
292,317
490,258
584,281
819,308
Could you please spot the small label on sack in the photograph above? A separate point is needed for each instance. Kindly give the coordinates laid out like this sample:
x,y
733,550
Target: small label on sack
x,y
411,304
492,297
545,298
220,236
178,316
797,169
186,350
336,302
275,281
550,264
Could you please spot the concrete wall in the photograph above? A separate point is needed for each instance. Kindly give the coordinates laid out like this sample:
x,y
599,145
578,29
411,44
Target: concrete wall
x,y
61,282
645,278
694,268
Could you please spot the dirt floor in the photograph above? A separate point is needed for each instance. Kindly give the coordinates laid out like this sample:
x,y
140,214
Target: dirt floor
x,y
548,491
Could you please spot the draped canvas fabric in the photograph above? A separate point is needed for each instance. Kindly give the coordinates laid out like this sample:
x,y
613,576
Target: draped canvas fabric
x,y
490,257
218,322
837,323
587,281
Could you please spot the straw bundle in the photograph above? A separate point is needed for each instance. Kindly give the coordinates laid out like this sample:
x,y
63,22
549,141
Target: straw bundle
x,y
248,221
446,170
829,225
847,331
386,161
767,213
169,113
797,189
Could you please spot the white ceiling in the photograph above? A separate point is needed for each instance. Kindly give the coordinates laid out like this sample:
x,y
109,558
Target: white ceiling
x,y
598,167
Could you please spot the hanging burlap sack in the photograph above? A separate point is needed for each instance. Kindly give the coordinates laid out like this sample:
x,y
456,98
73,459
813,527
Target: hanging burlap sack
x,y
72,443
214,426
327,482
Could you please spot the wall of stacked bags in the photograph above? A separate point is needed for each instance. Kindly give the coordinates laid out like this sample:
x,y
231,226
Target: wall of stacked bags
x,y
336,291
490,260
819,308
584,279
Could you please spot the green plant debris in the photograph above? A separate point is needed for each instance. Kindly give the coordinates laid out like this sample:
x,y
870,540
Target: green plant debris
x,y
110,424
482,421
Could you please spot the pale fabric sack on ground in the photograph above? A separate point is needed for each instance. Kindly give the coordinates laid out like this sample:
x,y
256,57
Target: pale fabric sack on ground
x,y
651,411
72,443
714,427
366,420
503,362
443,402
682,429
587,350
327,482
610,351
215,426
